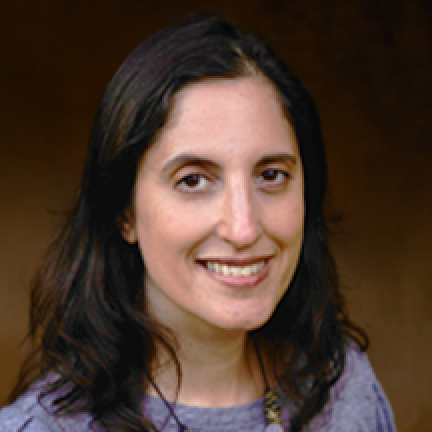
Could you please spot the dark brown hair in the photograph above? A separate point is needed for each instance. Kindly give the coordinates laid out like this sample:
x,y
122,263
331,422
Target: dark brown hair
x,y
87,314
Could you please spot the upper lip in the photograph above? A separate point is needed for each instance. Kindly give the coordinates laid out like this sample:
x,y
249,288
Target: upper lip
x,y
237,261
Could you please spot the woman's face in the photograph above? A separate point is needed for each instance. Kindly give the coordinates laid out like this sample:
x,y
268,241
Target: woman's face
x,y
222,181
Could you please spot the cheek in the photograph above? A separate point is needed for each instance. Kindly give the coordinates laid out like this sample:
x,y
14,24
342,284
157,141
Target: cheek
x,y
292,238
287,222
163,228
296,220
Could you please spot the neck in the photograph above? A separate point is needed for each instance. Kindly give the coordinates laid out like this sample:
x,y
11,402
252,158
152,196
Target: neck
x,y
216,371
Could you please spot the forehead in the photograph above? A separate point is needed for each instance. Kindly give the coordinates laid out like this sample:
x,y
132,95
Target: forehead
x,y
231,115
214,96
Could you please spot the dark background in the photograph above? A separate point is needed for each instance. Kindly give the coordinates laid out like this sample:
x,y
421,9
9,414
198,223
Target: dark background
x,y
368,66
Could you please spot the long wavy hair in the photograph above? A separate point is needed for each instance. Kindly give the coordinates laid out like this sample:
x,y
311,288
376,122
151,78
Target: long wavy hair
x,y
87,311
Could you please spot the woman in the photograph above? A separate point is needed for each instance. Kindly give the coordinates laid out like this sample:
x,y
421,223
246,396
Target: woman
x,y
191,288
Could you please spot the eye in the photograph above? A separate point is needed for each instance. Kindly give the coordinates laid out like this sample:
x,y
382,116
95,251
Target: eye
x,y
195,181
276,174
191,181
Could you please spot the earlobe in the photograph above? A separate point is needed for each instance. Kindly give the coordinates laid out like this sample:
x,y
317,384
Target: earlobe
x,y
129,233
127,228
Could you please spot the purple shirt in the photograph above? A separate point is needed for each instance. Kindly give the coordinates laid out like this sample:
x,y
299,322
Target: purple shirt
x,y
357,403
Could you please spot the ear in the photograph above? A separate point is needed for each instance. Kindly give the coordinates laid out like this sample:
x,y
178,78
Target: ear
x,y
127,227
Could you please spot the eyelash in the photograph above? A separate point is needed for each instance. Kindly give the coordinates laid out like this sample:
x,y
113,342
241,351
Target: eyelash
x,y
285,175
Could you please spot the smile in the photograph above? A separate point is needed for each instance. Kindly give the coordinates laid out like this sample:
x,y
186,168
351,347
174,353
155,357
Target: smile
x,y
234,270
237,276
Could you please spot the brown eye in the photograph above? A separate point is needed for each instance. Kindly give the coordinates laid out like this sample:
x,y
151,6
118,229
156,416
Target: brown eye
x,y
191,181
274,174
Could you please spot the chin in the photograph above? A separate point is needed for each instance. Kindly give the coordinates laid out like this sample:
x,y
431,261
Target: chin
x,y
244,324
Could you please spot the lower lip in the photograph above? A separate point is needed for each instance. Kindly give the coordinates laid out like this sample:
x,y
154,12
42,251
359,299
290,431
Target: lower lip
x,y
240,281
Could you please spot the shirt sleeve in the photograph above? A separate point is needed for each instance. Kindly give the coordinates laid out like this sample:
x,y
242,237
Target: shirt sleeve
x,y
357,401
25,416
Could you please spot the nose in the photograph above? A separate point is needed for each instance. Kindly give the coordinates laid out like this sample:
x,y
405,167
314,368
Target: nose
x,y
239,221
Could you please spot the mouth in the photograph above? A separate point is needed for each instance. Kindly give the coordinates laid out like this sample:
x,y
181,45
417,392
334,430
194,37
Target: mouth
x,y
237,276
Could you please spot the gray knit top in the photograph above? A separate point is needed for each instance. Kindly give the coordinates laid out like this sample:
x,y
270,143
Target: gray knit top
x,y
357,403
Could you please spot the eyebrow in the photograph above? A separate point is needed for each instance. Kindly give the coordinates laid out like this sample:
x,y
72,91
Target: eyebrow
x,y
183,159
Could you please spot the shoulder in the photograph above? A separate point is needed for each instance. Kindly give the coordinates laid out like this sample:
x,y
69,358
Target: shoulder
x,y
357,401
28,414
25,415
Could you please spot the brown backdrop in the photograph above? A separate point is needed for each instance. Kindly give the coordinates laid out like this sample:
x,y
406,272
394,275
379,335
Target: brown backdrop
x,y
367,64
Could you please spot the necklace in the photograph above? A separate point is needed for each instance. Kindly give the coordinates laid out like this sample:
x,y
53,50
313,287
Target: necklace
x,y
272,408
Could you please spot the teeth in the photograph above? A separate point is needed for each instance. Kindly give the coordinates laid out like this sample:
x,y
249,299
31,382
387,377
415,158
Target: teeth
x,y
234,270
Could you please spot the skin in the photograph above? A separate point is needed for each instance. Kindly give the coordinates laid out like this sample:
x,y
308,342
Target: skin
x,y
235,209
